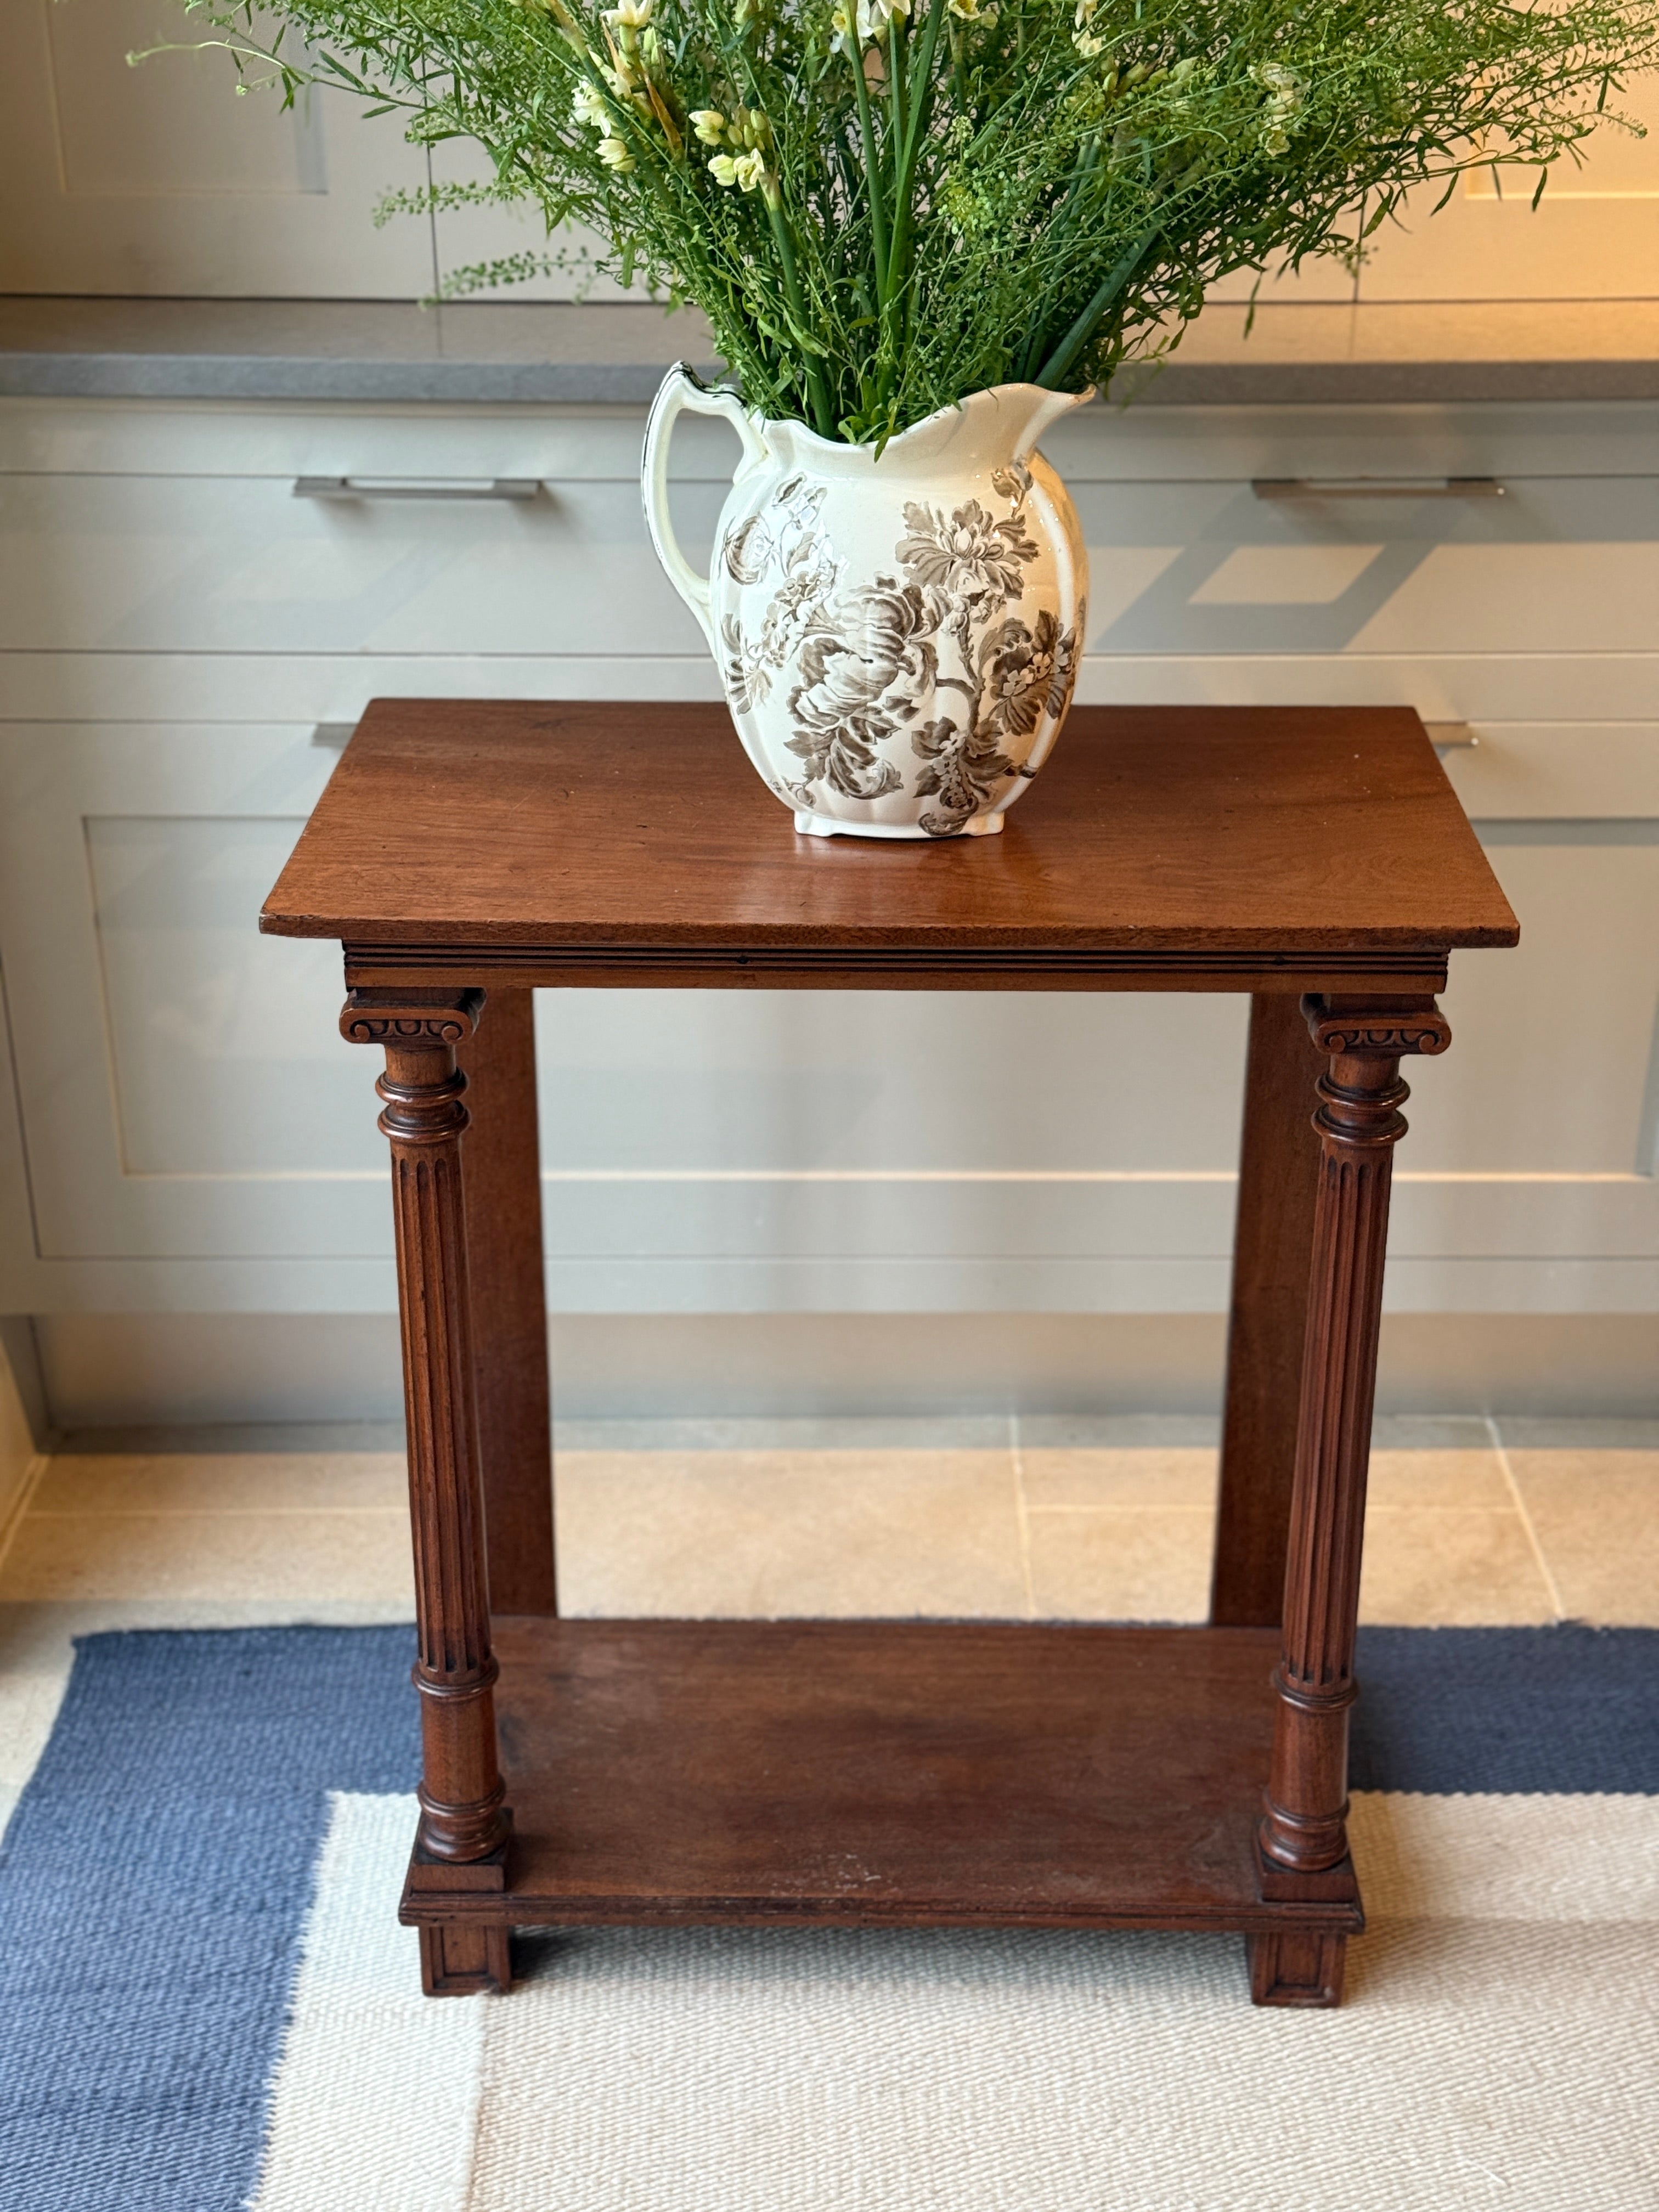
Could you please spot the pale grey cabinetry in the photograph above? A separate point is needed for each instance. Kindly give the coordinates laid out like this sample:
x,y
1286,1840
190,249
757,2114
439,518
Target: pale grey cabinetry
x,y
182,1132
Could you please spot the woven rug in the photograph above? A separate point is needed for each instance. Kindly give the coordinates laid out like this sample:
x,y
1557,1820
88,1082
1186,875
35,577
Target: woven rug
x,y
206,2003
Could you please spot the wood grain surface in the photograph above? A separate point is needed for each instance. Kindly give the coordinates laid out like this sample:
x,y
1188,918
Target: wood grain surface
x,y
517,827
509,1303
885,1773
1278,1186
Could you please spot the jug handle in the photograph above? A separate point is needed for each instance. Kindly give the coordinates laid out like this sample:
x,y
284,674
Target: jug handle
x,y
682,389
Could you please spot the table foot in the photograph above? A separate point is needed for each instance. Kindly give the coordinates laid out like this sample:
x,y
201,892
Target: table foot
x,y
457,1961
1299,1966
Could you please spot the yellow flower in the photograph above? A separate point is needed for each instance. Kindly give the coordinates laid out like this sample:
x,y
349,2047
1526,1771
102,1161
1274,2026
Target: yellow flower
x,y
614,153
710,125
630,15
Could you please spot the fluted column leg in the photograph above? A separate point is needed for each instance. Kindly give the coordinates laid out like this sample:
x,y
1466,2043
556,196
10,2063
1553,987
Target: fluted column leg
x,y
1304,1831
463,1820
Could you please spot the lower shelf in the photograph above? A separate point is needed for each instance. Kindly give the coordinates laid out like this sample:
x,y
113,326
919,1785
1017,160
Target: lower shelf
x,y
869,1772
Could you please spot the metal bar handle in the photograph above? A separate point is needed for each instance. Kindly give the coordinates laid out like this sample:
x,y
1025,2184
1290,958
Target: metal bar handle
x,y
516,487
1372,488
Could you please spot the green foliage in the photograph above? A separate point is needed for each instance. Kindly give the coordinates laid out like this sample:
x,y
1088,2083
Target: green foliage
x,y
881,212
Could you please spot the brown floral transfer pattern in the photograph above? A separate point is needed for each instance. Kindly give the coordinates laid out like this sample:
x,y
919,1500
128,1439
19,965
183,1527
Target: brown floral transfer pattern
x,y
869,661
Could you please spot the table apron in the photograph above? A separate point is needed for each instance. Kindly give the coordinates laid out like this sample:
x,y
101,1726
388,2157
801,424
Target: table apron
x,y
1390,974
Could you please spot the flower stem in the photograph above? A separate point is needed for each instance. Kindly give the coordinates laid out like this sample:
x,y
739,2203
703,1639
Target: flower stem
x,y
910,123
872,167
822,407
1064,358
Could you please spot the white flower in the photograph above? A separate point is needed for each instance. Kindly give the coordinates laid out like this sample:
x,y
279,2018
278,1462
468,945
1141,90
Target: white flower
x,y
589,107
614,153
747,171
1284,96
841,23
710,125
875,15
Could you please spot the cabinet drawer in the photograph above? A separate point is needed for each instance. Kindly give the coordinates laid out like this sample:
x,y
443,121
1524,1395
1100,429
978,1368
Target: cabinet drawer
x,y
238,564
1558,771
209,438
1558,564
1096,445
224,564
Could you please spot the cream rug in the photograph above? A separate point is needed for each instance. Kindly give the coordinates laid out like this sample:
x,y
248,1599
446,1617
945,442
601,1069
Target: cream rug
x,y
1499,2047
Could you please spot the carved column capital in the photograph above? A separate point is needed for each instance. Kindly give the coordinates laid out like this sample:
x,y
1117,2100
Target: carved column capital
x,y
1360,1031
410,1021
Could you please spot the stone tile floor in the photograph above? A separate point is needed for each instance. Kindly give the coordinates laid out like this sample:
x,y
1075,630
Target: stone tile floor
x,y
1471,1523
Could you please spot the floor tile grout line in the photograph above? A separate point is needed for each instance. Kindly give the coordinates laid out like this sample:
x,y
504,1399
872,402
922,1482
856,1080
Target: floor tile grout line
x,y
215,1512
1551,1586
33,1475
1199,1512
1022,1515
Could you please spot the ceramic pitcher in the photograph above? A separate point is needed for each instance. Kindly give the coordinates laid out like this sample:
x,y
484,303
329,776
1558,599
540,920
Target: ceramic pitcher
x,y
898,636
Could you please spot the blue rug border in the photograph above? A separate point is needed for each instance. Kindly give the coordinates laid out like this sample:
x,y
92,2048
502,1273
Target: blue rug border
x,y
154,1881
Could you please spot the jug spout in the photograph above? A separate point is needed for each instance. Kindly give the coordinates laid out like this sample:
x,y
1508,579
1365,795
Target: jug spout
x,y
1042,409
987,430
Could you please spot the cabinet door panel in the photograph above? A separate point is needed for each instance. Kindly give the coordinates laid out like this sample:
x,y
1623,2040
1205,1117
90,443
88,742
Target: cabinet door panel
x,y
1549,1070
218,1038
182,1085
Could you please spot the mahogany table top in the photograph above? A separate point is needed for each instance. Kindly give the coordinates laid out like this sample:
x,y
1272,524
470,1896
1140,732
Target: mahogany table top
x,y
570,842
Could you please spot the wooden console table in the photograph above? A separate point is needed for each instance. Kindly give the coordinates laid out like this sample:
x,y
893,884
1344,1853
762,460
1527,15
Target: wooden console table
x,y
874,1772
